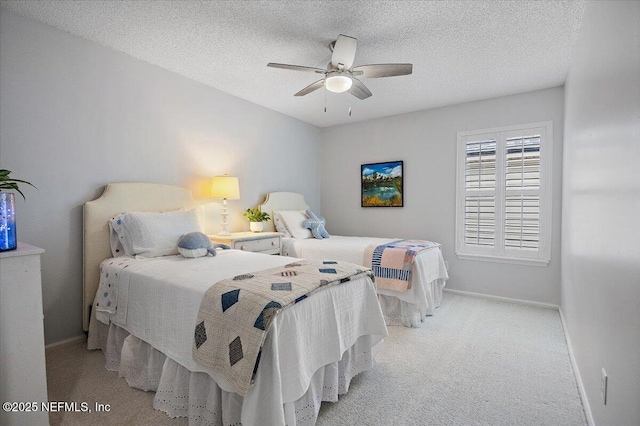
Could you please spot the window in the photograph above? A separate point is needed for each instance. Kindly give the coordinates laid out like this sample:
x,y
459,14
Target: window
x,y
503,210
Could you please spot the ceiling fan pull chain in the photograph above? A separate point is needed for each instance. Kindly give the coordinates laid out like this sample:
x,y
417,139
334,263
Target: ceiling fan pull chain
x,y
325,99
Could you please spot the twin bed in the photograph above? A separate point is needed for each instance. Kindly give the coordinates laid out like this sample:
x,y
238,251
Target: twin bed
x,y
310,353
408,308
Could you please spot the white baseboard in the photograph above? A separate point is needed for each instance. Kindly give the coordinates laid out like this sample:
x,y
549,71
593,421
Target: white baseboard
x,y
576,372
66,341
503,299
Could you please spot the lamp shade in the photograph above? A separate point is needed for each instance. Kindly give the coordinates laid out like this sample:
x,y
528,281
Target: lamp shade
x,y
225,187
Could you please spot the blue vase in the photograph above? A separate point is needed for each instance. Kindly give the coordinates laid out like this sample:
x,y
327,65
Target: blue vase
x,y
8,240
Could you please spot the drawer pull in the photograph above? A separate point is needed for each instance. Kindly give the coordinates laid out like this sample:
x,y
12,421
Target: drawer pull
x,y
273,243
242,248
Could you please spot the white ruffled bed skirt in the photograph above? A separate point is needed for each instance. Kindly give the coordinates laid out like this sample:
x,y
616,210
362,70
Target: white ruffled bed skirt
x,y
183,393
402,313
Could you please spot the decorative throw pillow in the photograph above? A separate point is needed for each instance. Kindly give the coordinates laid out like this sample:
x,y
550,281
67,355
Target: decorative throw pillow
x,y
280,226
316,224
293,220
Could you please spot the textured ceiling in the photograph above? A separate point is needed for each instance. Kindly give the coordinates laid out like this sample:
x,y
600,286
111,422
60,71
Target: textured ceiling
x,y
461,51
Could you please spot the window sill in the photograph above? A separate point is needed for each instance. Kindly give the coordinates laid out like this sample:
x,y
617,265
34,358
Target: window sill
x,y
501,259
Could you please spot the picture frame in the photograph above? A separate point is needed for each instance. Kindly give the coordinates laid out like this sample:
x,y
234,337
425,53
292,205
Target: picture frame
x,y
382,184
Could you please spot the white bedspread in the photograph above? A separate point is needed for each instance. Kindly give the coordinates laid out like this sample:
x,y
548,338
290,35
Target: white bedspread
x,y
428,265
158,301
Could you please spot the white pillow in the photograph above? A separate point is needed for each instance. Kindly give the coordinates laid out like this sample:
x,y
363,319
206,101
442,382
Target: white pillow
x,y
293,220
150,234
280,226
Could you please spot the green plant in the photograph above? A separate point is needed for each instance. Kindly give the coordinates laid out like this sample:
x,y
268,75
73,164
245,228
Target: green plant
x,y
255,215
7,183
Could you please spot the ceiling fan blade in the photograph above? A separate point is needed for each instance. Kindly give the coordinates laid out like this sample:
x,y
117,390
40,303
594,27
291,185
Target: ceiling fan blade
x,y
344,51
310,88
359,90
296,68
384,70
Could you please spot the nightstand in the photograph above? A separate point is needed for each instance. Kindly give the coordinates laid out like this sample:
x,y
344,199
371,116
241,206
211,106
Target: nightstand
x,y
259,242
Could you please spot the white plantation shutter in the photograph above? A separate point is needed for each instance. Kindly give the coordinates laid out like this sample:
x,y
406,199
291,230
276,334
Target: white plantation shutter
x,y
522,222
522,159
503,207
480,220
480,185
480,170
522,192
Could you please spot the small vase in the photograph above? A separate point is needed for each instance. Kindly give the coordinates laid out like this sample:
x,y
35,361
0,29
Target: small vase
x,y
8,239
256,226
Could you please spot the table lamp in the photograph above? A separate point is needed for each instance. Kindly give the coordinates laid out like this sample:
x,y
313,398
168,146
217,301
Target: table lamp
x,y
227,188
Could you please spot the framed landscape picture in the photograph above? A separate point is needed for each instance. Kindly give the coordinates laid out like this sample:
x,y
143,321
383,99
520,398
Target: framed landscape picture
x,y
382,184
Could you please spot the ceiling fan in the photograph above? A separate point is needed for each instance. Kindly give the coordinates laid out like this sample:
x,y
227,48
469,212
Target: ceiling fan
x,y
340,75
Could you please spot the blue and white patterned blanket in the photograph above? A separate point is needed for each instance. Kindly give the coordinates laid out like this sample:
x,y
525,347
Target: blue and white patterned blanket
x,y
392,262
235,314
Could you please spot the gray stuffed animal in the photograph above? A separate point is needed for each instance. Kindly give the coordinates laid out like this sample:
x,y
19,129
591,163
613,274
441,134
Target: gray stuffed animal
x,y
196,244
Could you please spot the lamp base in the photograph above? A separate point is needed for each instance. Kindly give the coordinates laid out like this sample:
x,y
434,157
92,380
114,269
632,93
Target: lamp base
x,y
223,226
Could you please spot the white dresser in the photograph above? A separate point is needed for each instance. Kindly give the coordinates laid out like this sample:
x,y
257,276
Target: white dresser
x,y
23,376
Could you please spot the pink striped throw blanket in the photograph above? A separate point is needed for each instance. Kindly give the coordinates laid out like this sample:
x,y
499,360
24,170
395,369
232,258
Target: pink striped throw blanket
x,y
391,262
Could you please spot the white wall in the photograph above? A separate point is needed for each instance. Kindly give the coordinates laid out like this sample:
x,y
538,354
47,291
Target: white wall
x,y
601,208
426,142
75,115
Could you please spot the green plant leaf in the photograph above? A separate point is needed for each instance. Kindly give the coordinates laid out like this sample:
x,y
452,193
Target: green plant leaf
x,y
255,215
22,181
14,186
7,183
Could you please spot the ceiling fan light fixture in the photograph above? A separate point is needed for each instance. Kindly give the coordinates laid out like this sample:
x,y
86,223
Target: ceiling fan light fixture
x,y
338,83
340,74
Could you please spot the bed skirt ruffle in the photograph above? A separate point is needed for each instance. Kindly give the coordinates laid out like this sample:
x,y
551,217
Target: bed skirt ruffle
x,y
183,393
401,313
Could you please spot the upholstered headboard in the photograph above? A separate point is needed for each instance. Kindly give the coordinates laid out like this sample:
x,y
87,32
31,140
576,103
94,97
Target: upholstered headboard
x,y
117,198
276,201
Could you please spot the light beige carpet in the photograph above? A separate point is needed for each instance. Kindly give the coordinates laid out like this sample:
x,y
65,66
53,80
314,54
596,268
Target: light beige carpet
x,y
75,374
476,362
